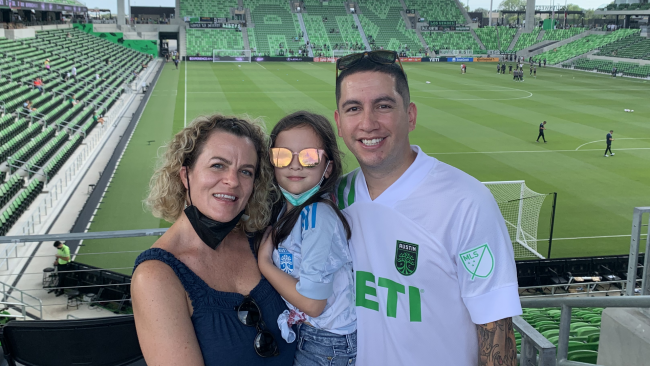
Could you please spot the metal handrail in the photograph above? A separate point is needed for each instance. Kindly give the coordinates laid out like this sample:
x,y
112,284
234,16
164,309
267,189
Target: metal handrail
x,y
9,295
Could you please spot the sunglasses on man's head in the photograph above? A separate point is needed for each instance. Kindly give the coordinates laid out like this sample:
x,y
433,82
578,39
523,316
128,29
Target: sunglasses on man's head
x,y
281,157
382,57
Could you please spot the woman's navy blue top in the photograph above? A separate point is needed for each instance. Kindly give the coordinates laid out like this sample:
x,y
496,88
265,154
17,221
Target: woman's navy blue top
x,y
223,339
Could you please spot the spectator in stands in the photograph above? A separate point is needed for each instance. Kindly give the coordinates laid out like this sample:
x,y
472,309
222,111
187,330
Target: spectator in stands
x,y
28,106
62,264
73,72
69,35
213,172
47,65
389,197
38,84
72,100
66,77
97,118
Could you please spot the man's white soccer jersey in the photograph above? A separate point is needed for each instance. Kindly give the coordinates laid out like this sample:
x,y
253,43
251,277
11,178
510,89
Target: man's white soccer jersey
x,y
432,258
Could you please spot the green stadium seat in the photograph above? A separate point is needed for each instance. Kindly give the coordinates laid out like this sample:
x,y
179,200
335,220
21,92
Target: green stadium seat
x,y
586,356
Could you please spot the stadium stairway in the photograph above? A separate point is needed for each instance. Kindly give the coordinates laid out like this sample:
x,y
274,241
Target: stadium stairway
x,y
515,39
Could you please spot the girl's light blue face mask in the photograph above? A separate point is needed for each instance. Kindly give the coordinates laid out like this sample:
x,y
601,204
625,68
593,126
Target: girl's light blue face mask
x,y
298,199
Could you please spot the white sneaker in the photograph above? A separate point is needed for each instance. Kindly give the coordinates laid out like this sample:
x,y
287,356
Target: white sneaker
x,y
612,154
607,156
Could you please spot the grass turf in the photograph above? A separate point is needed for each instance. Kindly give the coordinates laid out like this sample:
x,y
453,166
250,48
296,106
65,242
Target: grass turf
x,y
480,122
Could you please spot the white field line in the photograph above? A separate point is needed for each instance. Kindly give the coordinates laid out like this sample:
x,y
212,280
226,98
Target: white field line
x,y
260,65
185,107
527,151
592,237
624,138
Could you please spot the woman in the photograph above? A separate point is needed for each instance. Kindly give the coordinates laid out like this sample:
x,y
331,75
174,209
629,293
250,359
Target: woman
x,y
198,295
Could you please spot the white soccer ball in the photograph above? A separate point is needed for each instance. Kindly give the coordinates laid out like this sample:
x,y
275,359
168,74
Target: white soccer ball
x,y
428,82
238,65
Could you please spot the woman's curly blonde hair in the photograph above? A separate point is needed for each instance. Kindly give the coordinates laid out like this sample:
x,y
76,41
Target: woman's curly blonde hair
x,y
167,193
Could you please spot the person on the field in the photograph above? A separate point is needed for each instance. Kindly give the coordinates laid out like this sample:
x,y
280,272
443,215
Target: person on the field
x,y
510,69
176,62
609,140
542,128
200,280
530,70
498,68
503,69
544,62
435,273
535,72
306,257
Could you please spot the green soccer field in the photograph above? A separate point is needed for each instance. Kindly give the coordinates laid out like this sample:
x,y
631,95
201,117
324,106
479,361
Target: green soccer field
x,y
480,122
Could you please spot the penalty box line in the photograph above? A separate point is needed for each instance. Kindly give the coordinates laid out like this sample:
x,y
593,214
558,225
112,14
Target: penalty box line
x,y
529,151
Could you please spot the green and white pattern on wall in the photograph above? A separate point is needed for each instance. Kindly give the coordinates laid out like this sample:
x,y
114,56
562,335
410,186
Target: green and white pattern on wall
x,y
149,47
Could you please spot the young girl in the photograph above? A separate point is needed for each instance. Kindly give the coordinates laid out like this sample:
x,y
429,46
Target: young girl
x,y
306,256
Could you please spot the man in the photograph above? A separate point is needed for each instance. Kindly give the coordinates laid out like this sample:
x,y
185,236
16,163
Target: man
x,y
74,72
542,128
544,62
503,69
510,69
435,273
498,68
609,140
176,62
535,72
62,263
97,118
38,84
530,70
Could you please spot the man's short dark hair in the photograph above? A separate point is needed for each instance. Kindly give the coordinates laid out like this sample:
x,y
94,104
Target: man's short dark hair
x,y
57,243
365,64
611,131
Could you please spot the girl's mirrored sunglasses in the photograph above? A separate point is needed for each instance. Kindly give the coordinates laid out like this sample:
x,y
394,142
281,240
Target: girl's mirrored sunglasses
x,y
282,157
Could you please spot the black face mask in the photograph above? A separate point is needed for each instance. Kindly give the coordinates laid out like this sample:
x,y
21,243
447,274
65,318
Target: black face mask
x,y
211,232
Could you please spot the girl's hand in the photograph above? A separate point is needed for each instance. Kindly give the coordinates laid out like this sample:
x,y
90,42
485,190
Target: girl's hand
x,y
265,253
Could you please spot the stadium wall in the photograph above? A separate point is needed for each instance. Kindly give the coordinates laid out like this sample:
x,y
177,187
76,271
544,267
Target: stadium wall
x,y
149,47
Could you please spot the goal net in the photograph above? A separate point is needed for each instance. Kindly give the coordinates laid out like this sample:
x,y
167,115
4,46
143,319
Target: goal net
x,y
231,56
520,207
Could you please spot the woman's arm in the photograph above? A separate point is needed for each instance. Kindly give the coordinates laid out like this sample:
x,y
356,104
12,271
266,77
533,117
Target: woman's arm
x,y
283,283
162,317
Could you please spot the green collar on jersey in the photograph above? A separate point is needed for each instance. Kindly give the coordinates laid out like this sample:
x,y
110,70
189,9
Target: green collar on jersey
x,y
346,189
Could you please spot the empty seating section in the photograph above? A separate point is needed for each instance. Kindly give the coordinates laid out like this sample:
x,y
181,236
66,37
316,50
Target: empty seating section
x,y
506,34
275,27
32,141
329,24
489,37
384,26
527,39
605,66
437,10
201,42
612,48
561,34
584,334
639,48
583,45
451,41
207,8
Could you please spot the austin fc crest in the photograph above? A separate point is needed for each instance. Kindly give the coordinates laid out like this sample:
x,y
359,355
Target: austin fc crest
x,y
286,260
406,258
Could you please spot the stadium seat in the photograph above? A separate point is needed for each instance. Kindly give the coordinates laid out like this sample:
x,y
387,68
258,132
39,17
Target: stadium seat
x,y
382,23
437,10
583,45
104,341
586,356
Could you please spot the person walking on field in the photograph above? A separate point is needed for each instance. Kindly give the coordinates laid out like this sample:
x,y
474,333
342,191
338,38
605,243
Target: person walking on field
x,y
609,143
541,131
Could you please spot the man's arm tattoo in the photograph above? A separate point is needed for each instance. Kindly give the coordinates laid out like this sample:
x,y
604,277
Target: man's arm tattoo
x,y
496,343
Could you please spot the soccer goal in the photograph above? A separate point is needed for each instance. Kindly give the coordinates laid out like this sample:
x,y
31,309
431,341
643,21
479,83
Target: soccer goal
x,y
231,56
520,207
